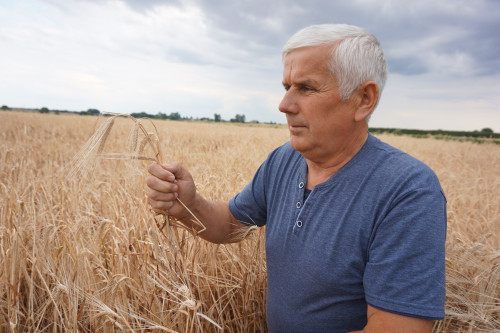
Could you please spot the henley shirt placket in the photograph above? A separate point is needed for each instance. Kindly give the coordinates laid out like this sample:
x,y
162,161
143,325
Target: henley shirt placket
x,y
299,205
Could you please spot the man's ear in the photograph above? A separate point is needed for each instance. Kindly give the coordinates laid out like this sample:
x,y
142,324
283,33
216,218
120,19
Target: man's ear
x,y
368,98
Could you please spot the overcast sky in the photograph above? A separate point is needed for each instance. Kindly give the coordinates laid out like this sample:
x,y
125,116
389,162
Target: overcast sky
x,y
200,57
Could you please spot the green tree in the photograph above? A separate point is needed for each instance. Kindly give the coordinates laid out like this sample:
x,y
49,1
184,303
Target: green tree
x,y
141,114
487,130
174,116
44,110
217,117
161,115
5,108
239,118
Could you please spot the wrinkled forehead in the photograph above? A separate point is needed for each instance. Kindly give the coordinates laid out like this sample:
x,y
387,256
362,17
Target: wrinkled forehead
x,y
310,59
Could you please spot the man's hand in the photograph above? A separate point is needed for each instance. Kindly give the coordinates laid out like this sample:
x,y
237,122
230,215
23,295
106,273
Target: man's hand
x,y
171,181
166,183
380,321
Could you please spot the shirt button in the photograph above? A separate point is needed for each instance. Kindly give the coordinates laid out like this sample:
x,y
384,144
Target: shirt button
x,y
298,204
299,224
301,184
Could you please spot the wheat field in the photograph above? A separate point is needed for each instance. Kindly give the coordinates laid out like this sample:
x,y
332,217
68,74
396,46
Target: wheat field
x,y
85,253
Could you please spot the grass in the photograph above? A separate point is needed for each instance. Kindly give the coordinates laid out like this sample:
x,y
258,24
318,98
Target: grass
x,y
84,253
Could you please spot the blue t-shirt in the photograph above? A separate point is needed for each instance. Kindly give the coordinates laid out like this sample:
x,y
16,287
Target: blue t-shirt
x,y
372,233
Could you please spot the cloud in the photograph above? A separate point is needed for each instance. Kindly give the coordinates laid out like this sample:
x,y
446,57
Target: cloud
x,y
454,37
200,57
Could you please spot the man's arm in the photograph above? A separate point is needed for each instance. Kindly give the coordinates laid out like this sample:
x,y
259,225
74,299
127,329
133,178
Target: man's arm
x,y
171,181
380,321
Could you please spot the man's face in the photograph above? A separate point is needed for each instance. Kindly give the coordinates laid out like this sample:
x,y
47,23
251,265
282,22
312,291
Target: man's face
x,y
319,122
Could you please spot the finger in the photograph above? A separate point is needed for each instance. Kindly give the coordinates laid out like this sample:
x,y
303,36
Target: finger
x,y
159,206
161,196
158,171
176,169
159,185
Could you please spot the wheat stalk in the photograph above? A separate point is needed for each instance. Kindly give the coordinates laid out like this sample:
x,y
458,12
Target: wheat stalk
x,y
84,160
94,147
57,238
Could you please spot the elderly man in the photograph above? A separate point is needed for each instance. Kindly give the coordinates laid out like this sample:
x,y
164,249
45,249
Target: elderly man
x,y
355,229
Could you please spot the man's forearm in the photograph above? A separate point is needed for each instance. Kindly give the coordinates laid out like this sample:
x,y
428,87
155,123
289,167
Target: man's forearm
x,y
219,224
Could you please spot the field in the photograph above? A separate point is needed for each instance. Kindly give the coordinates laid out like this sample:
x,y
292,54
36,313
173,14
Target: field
x,y
85,253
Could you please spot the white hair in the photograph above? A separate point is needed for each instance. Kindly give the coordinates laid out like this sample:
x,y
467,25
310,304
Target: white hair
x,y
357,55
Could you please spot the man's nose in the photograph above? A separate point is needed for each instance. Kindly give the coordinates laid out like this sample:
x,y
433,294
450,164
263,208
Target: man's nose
x,y
288,103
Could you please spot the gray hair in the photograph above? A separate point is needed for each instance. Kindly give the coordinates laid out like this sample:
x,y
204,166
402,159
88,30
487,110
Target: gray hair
x,y
357,55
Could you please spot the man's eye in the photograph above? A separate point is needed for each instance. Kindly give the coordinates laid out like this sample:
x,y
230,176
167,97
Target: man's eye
x,y
305,89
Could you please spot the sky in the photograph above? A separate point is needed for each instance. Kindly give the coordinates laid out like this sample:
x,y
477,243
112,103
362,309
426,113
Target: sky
x,y
201,57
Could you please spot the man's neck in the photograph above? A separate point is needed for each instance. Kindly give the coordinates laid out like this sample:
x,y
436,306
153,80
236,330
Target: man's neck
x,y
320,170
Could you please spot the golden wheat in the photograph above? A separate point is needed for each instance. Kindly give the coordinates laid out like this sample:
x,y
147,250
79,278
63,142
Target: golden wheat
x,y
83,253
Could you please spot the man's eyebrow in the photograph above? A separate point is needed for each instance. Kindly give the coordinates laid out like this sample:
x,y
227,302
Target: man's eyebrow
x,y
305,82
301,82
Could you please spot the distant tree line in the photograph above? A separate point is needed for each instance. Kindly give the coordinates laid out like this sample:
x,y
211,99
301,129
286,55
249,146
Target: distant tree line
x,y
240,118
484,133
159,115
89,112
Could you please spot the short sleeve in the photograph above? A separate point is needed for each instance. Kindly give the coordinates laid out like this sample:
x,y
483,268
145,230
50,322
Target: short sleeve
x,y
405,272
249,206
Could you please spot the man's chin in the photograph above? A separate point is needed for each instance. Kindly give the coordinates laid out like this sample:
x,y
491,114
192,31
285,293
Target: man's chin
x,y
297,144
